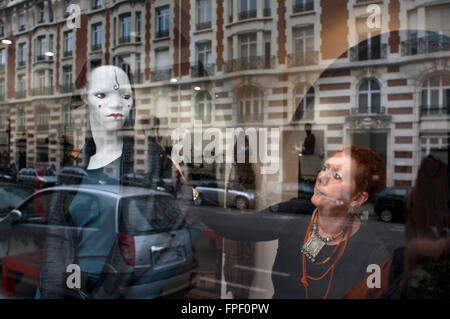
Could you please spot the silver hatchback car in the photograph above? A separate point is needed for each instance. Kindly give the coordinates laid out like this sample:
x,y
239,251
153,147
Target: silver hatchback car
x,y
138,241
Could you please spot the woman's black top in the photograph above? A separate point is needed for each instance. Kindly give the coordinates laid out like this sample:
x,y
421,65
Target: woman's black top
x,y
362,249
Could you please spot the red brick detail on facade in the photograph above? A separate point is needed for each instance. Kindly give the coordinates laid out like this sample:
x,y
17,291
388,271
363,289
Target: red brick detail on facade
x,y
11,67
403,169
82,52
221,95
398,183
181,39
403,154
335,99
220,107
334,140
394,25
400,96
405,126
219,34
334,29
397,82
277,116
403,140
58,56
335,73
393,69
148,24
334,86
333,113
281,28
279,90
107,35
334,127
222,118
278,103
400,110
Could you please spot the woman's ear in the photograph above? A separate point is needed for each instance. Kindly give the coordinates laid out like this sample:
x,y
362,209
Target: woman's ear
x,y
359,199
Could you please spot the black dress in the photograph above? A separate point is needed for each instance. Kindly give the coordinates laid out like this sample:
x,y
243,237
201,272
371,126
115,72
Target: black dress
x,y
363,249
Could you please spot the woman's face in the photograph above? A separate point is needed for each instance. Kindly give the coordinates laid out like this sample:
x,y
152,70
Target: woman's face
x,y
109,97
335,185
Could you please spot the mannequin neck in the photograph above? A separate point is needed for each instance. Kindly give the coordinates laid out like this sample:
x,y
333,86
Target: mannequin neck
x,y
108,145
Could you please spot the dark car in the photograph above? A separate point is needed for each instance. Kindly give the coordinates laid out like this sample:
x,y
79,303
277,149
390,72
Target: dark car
x,y
144,236
389,204
36,177
11,196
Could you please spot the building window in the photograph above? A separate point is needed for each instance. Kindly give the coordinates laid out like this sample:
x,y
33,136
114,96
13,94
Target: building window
x,y
250,101
162,66
97,4
67,116
435,145
2,29
21,86
22,54
369,97
204,65
21,22
2,89
435,95
68,43
66,79
303,47
41,14
20,119
369,42
304,102
203,14
124,62
230,10
267,11
42,118
96,37
41,48
203,107
162,110
125,28
162,22
302,5
247,45
2,60
247,9
138,26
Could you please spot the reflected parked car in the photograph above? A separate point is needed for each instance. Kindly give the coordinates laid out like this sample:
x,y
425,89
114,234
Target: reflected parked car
x,y
281,191
36,178
389,204
214,192
144,236
11,196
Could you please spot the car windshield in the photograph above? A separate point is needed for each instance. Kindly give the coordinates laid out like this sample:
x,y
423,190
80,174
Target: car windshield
x,y
149,214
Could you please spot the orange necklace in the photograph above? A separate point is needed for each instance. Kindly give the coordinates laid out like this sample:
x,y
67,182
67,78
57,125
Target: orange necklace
x,y
305,277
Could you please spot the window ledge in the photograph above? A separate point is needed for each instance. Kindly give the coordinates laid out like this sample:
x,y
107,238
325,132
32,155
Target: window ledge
x,y
303,13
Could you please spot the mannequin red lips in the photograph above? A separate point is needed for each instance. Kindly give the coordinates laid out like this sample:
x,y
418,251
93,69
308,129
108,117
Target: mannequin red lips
x,y
115,115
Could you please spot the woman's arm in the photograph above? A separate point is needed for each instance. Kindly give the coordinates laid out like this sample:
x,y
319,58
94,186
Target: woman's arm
x,y
255,226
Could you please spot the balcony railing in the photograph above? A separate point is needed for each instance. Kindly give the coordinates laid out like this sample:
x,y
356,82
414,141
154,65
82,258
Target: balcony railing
x,y
302,6
67,53
250,63
2,68
96,46
424,45
199,69
440,110
162,33
249,14
138,77
303,59
21,63
364,53
267,12
125,39
365,110
42,91
66,88
203,25
20,94
22,28
161,75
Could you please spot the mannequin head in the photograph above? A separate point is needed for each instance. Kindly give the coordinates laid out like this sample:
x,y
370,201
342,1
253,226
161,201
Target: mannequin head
x,y
109,98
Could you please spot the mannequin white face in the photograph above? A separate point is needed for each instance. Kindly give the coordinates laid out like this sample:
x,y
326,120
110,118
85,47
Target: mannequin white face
x,y
109,98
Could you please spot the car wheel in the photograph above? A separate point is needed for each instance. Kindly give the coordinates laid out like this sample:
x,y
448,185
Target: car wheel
x,y
386,215
241,203
198,201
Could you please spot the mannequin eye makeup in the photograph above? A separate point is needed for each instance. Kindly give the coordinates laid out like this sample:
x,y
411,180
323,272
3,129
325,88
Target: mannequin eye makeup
x,y
100,95
126,96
